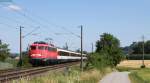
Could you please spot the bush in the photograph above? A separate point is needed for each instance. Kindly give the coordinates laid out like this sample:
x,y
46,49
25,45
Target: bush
x,y
12,61
98,60
25,60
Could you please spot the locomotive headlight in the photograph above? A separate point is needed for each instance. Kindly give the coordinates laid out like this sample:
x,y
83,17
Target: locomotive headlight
x,y
36,55
33,55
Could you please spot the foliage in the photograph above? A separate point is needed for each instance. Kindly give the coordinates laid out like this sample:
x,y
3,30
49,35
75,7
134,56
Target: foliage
x,y
137,47
121,69
138,57
79,51
109,47
4,51
25,60
12,61
135,78
13,55
137,75
140,76
97,60
147,47
5,65
72,76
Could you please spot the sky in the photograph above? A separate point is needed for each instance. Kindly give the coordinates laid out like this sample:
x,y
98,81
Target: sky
x,y
127,20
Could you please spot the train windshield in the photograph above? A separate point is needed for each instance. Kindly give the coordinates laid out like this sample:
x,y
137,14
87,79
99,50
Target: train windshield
x,y
41,47
33,47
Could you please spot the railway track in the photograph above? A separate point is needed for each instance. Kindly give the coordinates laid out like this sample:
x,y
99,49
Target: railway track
x,y
9,75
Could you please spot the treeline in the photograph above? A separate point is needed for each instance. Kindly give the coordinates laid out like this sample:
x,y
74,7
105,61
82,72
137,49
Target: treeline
x,y
138,57
137,48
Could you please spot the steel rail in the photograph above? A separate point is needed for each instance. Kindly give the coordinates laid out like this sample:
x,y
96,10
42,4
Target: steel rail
x,y
16,74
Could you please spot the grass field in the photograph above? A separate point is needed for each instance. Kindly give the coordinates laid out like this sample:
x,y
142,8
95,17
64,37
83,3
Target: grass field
x,y
134,63
140,76
137,75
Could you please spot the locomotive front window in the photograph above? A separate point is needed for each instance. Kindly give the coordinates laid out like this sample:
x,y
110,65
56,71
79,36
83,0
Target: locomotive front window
x,y
33,47
46,48
41,47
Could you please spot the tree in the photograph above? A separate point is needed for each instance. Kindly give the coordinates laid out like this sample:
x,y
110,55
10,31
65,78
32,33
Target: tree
x,y
79,51
110,46
137,47
147,47
4,51
25,60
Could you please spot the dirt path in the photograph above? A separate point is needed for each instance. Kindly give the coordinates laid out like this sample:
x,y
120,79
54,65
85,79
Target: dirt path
x,y
116,77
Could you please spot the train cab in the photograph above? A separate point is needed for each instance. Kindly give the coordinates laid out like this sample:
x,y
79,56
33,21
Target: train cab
x,y
42,52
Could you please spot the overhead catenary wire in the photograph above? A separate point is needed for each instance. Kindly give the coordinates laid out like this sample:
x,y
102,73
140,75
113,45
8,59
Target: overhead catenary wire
x,y
16,21
31,19
6,25
25,13
45,21
31,32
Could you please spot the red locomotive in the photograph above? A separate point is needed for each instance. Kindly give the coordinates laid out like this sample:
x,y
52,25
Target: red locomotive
x,y
43,53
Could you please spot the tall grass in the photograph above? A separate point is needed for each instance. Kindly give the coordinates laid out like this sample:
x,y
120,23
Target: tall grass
x,y
137,75
4,65
72,76
8,63
136,79
130,69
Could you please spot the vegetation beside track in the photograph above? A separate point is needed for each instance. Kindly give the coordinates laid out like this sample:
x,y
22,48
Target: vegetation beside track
x,y
73,75
8,63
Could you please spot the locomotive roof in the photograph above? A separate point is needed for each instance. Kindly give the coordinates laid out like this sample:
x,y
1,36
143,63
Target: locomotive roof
x,y
42,45
40,42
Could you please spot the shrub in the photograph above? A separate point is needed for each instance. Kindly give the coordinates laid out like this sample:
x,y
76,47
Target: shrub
x,y
25,60
98,60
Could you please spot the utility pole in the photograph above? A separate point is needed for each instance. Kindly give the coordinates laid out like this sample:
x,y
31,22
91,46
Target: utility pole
x,y
20,61
143,51
81,65
92,48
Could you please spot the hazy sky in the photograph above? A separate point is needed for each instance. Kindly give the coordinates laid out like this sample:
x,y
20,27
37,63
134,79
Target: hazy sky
x,y
128,20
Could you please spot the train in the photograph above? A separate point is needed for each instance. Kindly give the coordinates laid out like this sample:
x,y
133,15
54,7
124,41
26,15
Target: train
x,y
42,53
